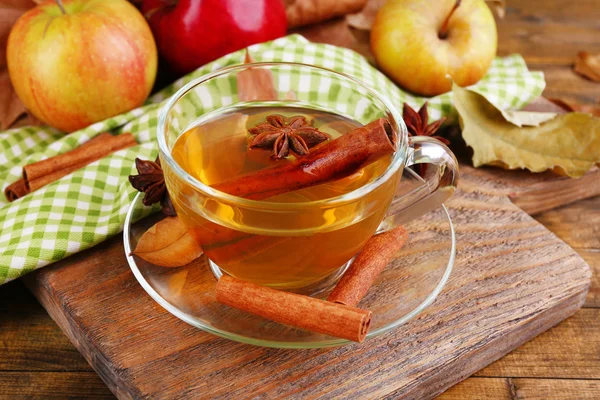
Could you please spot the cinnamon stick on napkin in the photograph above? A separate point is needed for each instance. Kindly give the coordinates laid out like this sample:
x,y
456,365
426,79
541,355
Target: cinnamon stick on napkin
x,y
42,173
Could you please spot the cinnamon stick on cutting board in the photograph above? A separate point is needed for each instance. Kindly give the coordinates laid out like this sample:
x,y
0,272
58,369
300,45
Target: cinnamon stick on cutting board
x,y
42,173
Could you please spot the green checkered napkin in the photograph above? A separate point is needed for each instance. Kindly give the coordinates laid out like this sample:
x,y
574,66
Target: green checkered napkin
x,y
88,206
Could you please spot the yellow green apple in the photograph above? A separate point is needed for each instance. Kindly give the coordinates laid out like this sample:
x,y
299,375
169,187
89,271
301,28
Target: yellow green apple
x,y
417,43
76,62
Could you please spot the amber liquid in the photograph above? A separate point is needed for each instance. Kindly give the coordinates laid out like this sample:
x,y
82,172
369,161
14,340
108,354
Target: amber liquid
x,y
267,245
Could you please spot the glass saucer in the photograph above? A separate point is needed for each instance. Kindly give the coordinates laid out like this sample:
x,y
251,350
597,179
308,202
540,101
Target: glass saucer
x,y
407,286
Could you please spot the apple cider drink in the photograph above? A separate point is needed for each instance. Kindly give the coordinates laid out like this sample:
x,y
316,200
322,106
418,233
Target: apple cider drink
x,y
276,226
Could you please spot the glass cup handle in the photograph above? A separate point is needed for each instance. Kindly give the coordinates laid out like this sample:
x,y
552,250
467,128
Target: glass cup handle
x,y
439,183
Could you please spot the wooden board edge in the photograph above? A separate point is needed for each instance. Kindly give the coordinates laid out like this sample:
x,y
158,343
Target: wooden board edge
x,y
547,196
117,382
494,350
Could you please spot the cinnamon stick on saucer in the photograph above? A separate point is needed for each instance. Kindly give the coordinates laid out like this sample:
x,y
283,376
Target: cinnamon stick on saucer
x,y
367,266
295,310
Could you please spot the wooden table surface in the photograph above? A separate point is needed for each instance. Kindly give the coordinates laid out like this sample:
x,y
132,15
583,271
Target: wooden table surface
x,y
37,360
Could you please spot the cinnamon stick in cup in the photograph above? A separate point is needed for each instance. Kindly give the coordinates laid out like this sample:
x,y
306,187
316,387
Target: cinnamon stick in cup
x,y
367,266
295,310
334,160
331,161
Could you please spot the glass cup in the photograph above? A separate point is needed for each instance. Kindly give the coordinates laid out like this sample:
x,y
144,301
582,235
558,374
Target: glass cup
x,y
302,245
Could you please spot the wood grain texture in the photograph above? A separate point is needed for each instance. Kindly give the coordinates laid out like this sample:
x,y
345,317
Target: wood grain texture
x,y
592,257
569,350
555,389
523,389
577,224
513,280
28,342
52,385
480,389
548,34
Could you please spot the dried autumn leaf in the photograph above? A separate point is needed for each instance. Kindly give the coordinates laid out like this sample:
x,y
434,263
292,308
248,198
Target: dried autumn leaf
x,y
588,65
363,19
11,108
498,7
255,83
527,118
542,104
569,144
593,109
168,243
308,12
338,33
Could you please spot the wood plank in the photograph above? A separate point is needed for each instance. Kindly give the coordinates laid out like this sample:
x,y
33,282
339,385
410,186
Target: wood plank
x,y
577,224
29,339
52,385
475,388
533,193
522,389
592,257
563,83
569,350
504,290
556,389
548,32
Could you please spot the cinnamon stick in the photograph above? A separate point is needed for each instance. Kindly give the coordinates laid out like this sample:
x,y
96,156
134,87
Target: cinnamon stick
x,y
44,172
305,12
334,160
295,310
16,190
367,266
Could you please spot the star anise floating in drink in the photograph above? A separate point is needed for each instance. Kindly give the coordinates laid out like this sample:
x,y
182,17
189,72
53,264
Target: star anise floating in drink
x,y
151,182
416,122
285,135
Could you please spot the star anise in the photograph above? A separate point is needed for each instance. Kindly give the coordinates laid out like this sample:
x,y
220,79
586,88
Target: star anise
x,y
151,181
284,135
416,122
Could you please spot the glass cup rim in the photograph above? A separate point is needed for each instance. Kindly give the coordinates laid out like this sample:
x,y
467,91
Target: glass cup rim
x,y
399,156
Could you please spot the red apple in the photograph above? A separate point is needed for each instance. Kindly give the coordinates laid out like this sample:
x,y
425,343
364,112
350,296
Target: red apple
x,y
76,62
418,43
191,33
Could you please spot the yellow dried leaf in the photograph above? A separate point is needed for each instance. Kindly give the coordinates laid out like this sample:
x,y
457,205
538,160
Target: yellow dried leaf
x,y
168,244
588,65
527,118
568,144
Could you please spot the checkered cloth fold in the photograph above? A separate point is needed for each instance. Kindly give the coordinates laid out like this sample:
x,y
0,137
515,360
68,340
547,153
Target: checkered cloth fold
x,y
89,205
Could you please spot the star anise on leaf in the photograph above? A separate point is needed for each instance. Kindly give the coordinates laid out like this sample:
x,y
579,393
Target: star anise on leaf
x,y
285,135
416,122
151,181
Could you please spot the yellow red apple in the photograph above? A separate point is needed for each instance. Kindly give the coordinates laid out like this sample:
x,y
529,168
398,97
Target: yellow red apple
x,y
418,42
76,62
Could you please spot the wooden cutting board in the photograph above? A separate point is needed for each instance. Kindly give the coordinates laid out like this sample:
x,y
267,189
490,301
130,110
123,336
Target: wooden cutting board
x,y
512,280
